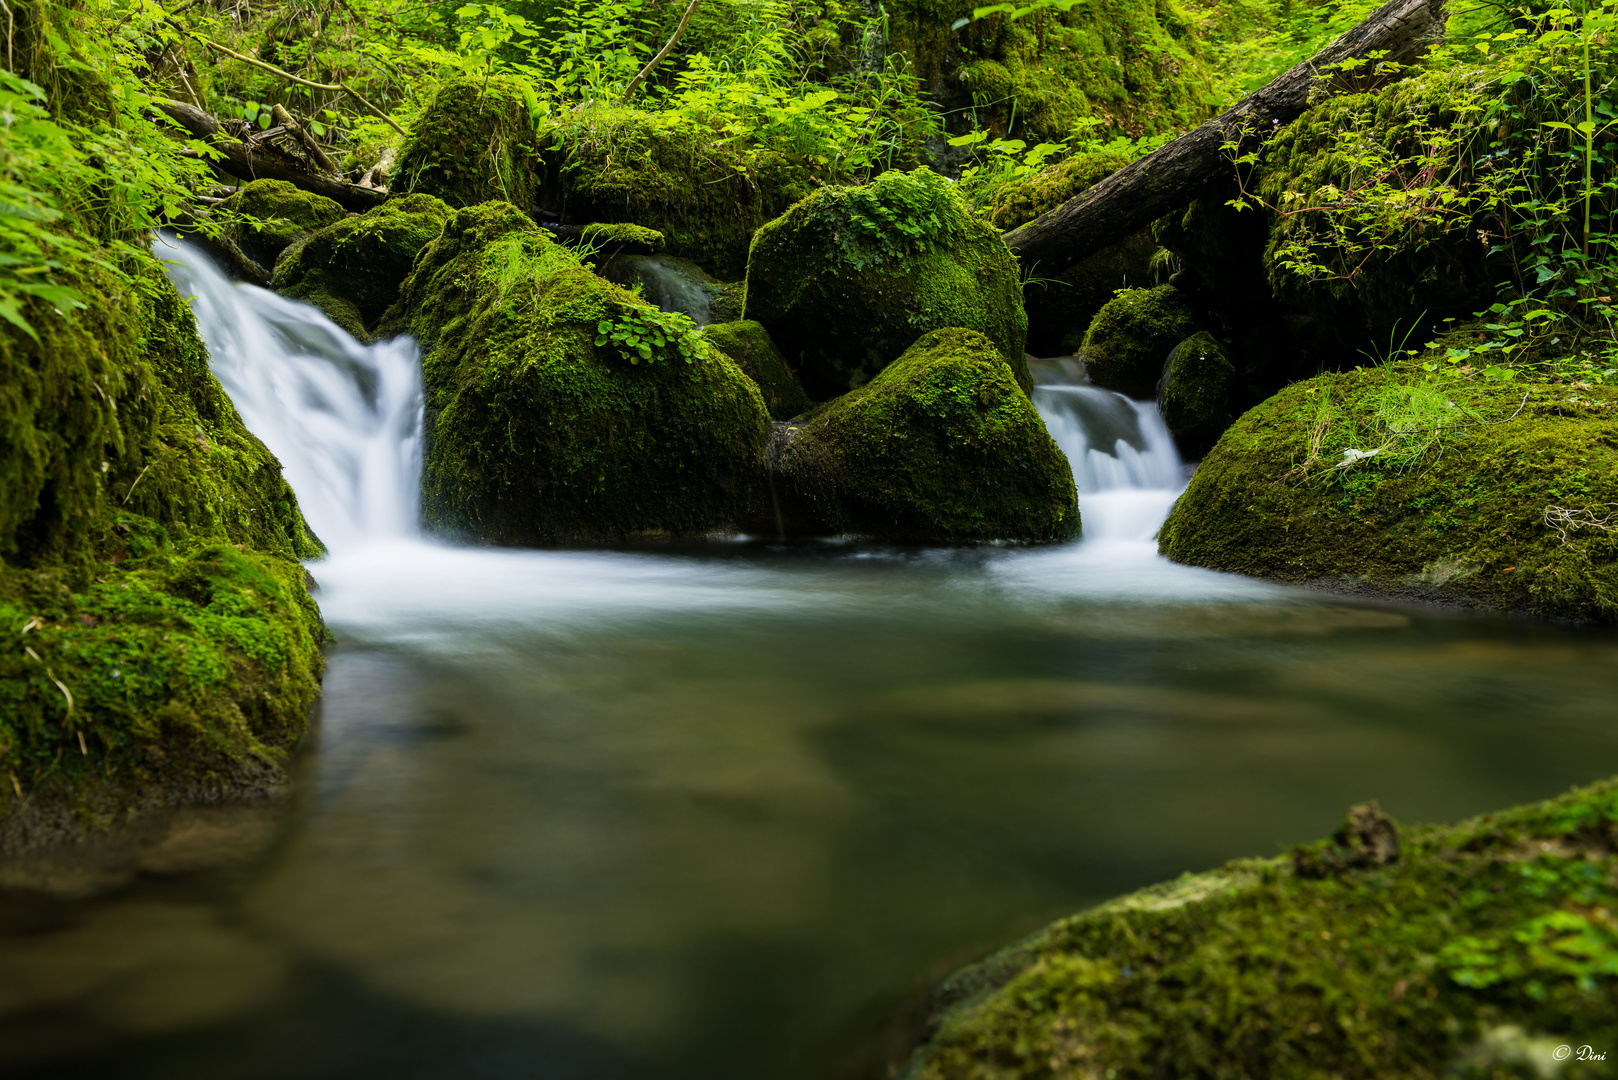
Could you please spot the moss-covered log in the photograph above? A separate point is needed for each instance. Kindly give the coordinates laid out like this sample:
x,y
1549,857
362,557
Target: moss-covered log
x,y
1133,197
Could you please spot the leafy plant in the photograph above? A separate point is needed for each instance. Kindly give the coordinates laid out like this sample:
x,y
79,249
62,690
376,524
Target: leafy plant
x,y
639,333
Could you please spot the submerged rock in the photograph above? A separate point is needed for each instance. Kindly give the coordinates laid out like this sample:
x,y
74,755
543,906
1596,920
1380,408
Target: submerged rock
x,y
750,346
352,269
1390,481
1194,392
475,141
282,215
1129,341
560,407
849,278
1430,957
942,446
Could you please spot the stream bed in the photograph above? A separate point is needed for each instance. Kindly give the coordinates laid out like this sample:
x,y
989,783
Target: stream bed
x,y
728,810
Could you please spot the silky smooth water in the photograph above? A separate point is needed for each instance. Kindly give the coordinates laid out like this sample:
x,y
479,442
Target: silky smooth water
x,y
727,810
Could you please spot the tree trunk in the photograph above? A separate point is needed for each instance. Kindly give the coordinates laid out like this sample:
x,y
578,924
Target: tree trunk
x,y
1174,174
252,162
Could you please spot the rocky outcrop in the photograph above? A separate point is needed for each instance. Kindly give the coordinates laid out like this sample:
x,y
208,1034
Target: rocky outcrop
x,y
849,278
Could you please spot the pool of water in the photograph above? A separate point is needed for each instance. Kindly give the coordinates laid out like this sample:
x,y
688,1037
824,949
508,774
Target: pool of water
x,y
728,811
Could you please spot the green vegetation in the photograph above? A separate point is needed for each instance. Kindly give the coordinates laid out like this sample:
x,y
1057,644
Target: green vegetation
x,y
352,269
849,278
1469,950
1129,341
749,345
562,408
942,446
1194,392
1408,482
162,639
264,218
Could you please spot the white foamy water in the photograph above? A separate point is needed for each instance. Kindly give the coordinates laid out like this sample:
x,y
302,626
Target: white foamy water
x,y
345,420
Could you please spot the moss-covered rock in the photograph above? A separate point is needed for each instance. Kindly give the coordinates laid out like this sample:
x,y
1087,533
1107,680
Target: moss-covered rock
x,y
162,643
1128,342
942,446
1466,950
1061,308
1194,393
262,220
705,195
559,406
849,278
1450,492
475,141
1021,201
749,344
353,268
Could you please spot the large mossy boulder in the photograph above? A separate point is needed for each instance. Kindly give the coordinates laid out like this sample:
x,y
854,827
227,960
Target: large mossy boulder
x,y
850,277
560,407
353,268
706,196
750,346
163,646
1468,950
942,446
1130,338
474,142
261,220
1387,480
1194,393
1024,199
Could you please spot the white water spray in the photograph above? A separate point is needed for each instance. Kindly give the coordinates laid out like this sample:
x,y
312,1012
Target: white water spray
x,y
1124,462
344,418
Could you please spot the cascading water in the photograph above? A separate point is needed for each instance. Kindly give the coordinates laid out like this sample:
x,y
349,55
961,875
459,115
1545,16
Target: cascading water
x,y
344,418
1124,462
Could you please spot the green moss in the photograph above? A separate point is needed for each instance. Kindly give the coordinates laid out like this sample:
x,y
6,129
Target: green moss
x,y
942,446
1060,309
1134,66
277,214
622,237
353,269
749,345
1194,392
1129,341
1437,265
1021,201
149,550
1476,943
705,195
537,434
1471,518
849,278
475,141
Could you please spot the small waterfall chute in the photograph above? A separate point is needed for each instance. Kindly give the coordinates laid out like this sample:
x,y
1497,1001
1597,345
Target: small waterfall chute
x,y
1124,461
343,418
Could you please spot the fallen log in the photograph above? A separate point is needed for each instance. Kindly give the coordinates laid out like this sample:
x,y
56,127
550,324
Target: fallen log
x,y
1172,175
257,161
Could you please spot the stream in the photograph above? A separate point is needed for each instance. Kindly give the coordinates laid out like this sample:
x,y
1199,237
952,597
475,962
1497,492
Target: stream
x,y
728,810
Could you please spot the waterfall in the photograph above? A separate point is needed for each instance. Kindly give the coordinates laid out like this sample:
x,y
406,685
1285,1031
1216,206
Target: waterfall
x,y
1124,462
344,418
